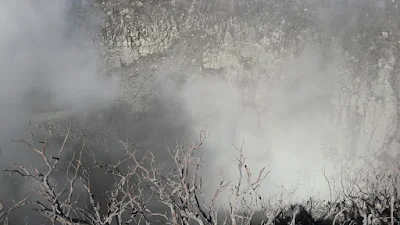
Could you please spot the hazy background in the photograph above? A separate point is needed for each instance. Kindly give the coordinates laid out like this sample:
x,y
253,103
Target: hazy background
x,y
48,64
288,135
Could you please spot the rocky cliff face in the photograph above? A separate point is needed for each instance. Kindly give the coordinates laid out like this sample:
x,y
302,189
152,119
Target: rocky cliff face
x,y
248,42
344,56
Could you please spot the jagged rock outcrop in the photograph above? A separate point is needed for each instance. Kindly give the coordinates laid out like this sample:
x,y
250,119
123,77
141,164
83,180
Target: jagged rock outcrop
x,y
247,42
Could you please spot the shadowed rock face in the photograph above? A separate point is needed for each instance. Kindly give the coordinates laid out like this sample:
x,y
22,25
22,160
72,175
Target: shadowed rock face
x,y
251,45
354,42
291,61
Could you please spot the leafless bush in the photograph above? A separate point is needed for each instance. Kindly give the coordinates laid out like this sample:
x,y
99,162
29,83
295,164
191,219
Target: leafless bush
x,y
367,197
139,185
143,192
372,195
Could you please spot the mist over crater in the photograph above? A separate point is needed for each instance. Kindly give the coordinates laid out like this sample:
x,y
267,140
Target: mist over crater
x,y
310,88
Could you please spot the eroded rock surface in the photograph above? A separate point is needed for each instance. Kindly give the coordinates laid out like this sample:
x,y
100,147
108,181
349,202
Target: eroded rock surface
x,y
250,42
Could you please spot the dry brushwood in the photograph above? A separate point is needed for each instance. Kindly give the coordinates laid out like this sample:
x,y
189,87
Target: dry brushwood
x,y
138,185
144,193
368,197
372,196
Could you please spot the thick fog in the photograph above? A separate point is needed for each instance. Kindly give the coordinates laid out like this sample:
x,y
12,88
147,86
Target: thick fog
x,y
289,126
46,65
50,63
286,131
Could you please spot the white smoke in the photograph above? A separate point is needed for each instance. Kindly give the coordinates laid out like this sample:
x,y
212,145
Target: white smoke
x,y
286,132
48,64
46,61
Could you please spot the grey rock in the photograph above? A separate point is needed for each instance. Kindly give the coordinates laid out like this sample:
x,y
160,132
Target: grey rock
x,y
249,45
